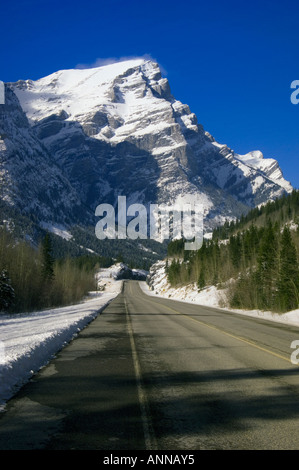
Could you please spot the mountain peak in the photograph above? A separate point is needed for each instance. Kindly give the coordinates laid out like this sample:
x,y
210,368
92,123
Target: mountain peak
x,y
116,129
80,91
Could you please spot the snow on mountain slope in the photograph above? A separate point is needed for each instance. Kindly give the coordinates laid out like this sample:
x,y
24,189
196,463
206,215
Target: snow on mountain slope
x,y
268,167
31,180
80,91
117,130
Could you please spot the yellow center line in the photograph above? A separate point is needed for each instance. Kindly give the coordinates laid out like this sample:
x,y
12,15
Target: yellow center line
x,y
239,338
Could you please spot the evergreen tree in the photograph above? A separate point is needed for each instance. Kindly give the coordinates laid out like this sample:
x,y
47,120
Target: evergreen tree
x,y
174,272
166,266
201,280
47,259
235,248
120,258
7,293
288,282
267,267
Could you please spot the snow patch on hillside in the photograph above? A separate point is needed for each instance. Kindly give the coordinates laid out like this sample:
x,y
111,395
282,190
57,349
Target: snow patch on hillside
x,y
57,229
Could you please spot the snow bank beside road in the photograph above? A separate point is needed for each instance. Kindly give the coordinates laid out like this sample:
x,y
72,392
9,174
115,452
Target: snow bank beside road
x,y
159,286
28,341
210,296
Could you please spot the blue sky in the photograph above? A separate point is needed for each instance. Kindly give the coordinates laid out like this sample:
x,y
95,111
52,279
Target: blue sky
x,y
232,62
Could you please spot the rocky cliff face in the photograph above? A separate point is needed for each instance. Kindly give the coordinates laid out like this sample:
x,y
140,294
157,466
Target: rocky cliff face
x,y
30,178
86,136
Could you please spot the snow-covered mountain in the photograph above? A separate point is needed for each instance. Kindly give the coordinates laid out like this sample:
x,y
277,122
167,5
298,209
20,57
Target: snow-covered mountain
x,y
84,136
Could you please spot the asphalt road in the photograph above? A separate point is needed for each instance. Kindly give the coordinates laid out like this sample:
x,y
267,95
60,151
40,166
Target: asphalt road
x,y
156,374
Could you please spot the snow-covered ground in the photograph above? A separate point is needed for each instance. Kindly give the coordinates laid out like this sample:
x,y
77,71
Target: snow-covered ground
x,y
210,296
29,340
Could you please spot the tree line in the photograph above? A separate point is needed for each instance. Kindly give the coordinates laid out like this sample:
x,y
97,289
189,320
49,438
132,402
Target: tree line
x,y
257,259
32,279
282,209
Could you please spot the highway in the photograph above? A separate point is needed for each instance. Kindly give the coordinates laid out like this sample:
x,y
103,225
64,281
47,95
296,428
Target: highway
x,y
151,373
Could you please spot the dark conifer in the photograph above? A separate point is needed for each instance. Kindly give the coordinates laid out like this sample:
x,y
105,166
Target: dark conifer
x,y
288,282
47,259
7,293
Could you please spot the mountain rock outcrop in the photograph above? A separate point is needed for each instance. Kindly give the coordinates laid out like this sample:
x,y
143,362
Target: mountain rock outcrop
x,y
79,138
